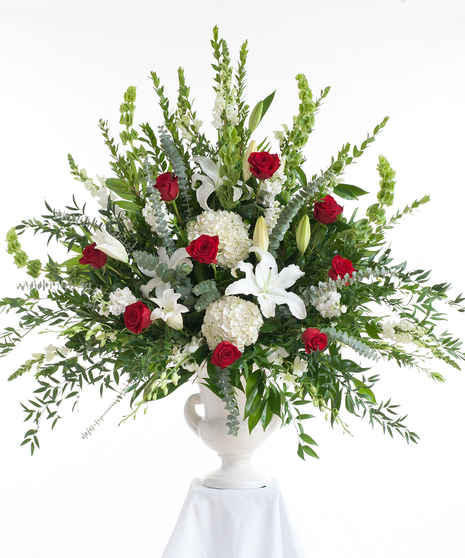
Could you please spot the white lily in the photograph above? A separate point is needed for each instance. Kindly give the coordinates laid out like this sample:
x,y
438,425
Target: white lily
x,y
170,311
178,257
110,245
211,181
269,286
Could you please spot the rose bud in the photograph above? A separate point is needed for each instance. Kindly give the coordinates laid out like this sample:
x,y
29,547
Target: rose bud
x,y
327,210
167,185
303,234
246,174
260,234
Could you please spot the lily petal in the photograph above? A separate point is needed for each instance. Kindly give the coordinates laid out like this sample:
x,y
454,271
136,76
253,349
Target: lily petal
x,y
295,303
210,168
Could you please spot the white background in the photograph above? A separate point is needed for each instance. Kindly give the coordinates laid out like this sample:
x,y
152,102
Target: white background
x,y
64,65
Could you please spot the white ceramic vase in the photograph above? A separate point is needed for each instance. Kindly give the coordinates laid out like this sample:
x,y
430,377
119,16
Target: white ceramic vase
x,y
235,451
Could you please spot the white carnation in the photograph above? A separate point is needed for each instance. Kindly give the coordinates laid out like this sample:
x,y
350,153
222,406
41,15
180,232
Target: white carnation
x,y
234,241
232,319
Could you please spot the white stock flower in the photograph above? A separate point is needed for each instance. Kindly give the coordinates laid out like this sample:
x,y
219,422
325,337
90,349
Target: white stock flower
x,y
178,257
110,245
269,286
232,319
326,299
169,310
234,241
118,300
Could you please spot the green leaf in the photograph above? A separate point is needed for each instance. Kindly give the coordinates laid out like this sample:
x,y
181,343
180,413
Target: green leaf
x,y
372,330
364,391
310,452
128,206
259,112
252,383
120,188
348,191
308,439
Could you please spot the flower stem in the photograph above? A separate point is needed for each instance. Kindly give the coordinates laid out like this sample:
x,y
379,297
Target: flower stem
x,y
176,211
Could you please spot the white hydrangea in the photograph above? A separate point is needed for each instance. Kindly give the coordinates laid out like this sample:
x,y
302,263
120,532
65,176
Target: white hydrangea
x,y
234,241
232,319
118,300
326,299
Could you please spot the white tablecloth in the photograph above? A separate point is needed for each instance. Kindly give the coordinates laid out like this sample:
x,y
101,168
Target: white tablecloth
x,y
216,523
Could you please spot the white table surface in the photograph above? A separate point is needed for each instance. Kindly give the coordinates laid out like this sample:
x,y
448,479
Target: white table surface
x,y
217,523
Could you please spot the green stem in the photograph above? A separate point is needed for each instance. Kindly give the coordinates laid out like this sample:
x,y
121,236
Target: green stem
x,y
176,211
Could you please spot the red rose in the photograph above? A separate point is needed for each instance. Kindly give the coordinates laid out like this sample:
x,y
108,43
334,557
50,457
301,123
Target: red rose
x,y
137,317
167,185
314,340
96,258
204,249
263,164
327,210
225,354
340,267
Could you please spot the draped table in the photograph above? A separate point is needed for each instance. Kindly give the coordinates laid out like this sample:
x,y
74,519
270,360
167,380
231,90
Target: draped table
x,y
218,523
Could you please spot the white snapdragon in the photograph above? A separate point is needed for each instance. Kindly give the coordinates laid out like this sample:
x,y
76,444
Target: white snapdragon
x,y
234,241
229,108
218,109
400,331
232,319
271,215
197,125
51,352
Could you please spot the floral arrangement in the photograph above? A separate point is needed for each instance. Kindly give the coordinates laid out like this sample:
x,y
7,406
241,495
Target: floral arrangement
x,y
223,258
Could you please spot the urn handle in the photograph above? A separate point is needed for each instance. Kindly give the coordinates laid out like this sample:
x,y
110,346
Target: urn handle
x,y
190,414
